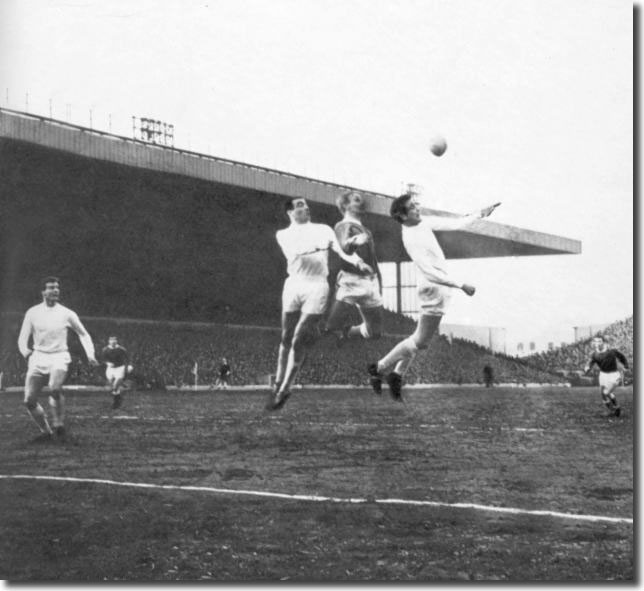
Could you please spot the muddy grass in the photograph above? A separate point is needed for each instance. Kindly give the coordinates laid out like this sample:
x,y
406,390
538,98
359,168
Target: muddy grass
x,y
544,449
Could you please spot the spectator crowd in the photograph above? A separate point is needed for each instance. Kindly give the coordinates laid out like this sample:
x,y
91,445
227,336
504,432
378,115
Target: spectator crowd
x,y
570,359
165,353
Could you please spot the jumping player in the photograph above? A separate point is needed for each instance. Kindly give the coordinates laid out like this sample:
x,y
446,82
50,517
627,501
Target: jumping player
x,y
115,357
47,323
434,285
354,287
305,246
612,364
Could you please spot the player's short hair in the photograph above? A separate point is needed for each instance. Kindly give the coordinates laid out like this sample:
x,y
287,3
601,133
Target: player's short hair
x,y
289,205
112,337
49,279
342,200
399,206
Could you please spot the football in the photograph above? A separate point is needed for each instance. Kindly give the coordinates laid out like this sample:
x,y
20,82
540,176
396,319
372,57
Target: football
x,y
438,145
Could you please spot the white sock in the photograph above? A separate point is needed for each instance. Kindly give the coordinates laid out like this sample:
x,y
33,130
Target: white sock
x,y
40,418
57,410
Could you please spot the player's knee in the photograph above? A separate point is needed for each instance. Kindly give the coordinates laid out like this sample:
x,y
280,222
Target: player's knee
x,y
368,331
30,403
419,343
365,331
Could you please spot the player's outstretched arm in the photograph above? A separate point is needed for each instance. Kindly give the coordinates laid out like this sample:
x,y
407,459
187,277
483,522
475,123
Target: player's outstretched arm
x,y
470,290
487,211
439,222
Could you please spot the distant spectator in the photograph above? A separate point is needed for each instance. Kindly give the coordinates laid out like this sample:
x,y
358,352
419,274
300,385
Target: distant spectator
x,y
488,376
223,379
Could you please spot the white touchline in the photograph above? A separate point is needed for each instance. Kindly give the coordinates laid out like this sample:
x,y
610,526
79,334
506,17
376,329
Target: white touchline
x,y
317,498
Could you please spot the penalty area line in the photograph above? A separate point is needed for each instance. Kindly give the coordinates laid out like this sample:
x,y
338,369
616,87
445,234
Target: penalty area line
x,y
319,499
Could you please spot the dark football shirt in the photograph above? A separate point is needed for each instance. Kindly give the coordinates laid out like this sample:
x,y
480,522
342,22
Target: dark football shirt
x,y
607,360
367,252
116,356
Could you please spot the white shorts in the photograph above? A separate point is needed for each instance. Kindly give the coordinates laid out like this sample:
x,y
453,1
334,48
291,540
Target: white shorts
x,y
359,290
307,297
433,298
42,364
115,373
610,380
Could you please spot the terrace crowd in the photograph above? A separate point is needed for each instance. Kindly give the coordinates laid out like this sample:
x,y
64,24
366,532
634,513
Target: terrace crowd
x,y
165,354
573,357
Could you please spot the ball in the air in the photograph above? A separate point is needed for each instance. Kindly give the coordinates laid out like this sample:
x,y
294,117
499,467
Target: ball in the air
x,y
438,145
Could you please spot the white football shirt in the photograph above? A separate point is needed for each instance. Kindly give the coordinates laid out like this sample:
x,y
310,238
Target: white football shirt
x,y
306,248
48,325
425,251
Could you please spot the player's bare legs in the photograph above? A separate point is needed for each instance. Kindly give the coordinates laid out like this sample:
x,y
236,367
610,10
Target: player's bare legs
x,y
403,354
116,392
302,339
33,387
296,338
289,322
339,313
610,400
370,328
57,400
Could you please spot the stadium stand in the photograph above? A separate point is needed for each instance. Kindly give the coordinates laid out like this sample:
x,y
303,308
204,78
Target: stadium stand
x,y
134,243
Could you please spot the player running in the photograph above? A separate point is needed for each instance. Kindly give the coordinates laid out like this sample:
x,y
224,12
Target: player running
x,y
355,288
305,246
434,285
48,361
612,364
115,357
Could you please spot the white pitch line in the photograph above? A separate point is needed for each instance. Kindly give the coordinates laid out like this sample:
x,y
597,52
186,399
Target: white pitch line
x,y
317,498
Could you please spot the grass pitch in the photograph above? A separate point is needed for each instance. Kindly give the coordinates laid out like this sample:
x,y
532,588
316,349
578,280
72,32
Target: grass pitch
x,y
544,449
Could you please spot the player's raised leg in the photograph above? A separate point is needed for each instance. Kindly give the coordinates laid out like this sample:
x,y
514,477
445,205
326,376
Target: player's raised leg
x,y
337,321
371,327
608,385
402,355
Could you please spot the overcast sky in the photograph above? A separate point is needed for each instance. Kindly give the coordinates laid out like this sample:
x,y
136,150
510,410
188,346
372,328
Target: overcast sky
x,y
535,98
